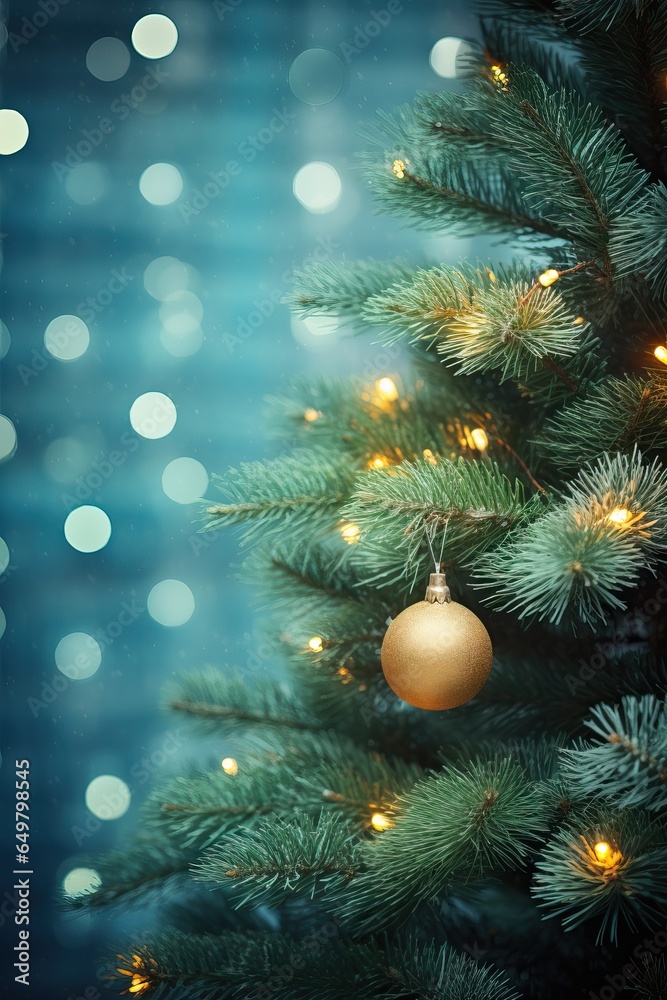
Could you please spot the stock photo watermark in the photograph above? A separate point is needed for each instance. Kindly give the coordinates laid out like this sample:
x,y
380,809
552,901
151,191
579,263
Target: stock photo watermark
x,y
248,149
120,108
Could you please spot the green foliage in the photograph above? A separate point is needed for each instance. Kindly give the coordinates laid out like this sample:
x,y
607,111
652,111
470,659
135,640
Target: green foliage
x,y
289,493
559,143
198,809
303,857
317,966
589,13
577,557
570,881
214,699
452,827
341,287
434,973
631,410
639,241
628,765
556,137
131,874
353,419
650,979
397,508
481,320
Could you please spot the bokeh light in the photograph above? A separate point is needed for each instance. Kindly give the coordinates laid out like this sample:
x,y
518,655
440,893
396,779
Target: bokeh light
x,y
181,311
86,183
316,76
108,797
153,415
108,59
87,528
65,459
317,186
7,438
14,131
446,56
81,881
5,340
4,556
161,184
171,602
3,623
182,345
66,338
164,276
154,36
78,656
185,480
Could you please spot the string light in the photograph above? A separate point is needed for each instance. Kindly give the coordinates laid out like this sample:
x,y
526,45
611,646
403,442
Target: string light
x,y
387,389
398,169
661,354
579,321
479,438
139,981
498,75
606,855
620,515
230,766
429,456
548,277
378,462
350,532
311,414
380,822
316,644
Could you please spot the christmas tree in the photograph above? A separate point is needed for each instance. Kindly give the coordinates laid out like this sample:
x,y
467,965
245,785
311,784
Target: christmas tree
x,y
464,837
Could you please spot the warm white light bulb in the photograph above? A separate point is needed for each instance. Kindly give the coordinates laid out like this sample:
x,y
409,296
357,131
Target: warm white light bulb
x,y
387,389
380,822
548,277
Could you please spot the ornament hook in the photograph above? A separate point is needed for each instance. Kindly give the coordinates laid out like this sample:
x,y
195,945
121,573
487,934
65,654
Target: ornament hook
x,y
437,562
437,591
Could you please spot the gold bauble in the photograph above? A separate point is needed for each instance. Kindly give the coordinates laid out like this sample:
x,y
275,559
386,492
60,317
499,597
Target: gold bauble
x,y
436,654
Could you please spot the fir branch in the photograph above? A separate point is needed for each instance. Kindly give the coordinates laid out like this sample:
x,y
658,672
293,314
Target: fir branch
x,y
319,964
629,885
593,13
133,874
352,418
453,826
639,241
629,763
277,858
216,700
631,409
341,287
431,972
437,193
484,320
650,979
577,557
287,494
196,810
395,508
586,162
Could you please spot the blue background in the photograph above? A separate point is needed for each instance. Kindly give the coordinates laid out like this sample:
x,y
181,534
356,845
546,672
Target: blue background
x,y
224,82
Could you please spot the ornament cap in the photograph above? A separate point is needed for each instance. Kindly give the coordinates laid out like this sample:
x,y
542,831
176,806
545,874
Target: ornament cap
x,y
437,591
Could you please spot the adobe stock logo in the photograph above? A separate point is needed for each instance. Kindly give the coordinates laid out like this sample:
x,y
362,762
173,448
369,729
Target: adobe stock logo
x,y
32,25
